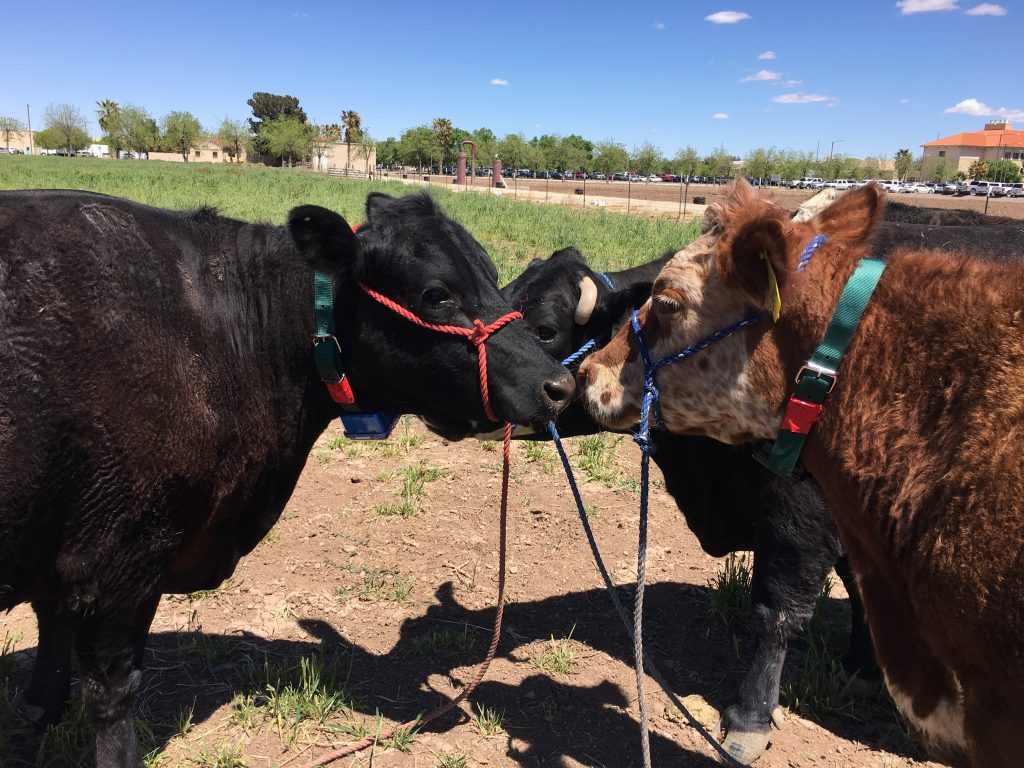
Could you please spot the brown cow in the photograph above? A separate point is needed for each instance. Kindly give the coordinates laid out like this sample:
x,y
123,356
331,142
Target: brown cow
x,y
919,451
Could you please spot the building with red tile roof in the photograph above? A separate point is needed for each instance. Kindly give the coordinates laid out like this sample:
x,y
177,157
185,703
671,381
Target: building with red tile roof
x,y
997,141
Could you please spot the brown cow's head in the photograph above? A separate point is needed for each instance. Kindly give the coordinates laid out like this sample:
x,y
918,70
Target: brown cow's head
x,y
734,390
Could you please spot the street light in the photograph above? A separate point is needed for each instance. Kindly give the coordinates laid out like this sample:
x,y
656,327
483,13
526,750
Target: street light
x,y
834,142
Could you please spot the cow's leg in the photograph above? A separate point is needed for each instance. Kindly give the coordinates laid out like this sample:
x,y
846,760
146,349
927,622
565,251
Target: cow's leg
x,y
47,692
110,646
796,547
859,662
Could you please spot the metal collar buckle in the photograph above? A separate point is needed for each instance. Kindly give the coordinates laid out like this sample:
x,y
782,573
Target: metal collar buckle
x,y
320,337
818,371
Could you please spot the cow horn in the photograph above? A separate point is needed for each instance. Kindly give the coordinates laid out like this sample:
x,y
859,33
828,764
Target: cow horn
x,y
588,298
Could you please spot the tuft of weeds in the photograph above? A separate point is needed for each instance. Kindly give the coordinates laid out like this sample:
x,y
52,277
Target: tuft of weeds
x,y
184,723
730,591
272,535
443,642
817,687
489,721
542,454
559,656
221,757
292,696
452,760
203,594
402,738
387,584
69,743
489,445
596,457
414,478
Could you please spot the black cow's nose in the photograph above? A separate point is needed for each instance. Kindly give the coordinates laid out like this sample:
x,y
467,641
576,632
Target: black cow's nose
x,y
559,391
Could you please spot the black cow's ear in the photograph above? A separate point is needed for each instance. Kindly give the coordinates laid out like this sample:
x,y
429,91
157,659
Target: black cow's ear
x,y
322,236
376,203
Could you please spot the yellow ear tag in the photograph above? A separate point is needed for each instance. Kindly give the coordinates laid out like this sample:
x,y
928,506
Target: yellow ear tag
x,y
773,289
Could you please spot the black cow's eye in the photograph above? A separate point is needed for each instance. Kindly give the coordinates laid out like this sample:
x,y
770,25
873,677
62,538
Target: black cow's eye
x,y
435,297
545,333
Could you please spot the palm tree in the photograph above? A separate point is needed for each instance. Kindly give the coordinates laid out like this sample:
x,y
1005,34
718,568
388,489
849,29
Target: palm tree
x,y
107,113
444,131
978,170
353,124
902,163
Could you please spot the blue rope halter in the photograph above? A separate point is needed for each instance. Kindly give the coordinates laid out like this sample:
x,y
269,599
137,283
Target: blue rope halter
x,y
652,398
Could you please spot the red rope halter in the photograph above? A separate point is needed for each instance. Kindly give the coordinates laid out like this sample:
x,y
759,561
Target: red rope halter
x,y
478,335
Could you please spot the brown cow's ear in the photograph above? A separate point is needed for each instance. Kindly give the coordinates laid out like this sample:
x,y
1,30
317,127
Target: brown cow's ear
x,y
852,216
742,256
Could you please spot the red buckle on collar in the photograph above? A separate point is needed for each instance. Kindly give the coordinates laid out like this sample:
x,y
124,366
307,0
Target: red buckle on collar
x,y
340,391
800,416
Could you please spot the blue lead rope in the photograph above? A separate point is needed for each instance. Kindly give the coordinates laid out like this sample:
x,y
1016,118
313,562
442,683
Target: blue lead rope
x,y
620,609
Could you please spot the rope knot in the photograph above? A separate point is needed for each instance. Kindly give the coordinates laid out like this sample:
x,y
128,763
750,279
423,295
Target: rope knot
x,y
480,332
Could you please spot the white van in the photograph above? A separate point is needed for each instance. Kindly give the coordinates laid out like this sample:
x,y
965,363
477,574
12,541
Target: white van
x,y
988,188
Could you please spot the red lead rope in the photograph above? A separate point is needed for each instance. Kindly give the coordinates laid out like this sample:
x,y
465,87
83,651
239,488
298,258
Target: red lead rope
x,y
478,334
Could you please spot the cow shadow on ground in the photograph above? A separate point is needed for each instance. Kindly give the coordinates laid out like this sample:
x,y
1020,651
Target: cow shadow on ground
x,y
547,717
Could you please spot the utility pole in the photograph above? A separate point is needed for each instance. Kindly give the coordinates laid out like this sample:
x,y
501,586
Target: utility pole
x,y
31,142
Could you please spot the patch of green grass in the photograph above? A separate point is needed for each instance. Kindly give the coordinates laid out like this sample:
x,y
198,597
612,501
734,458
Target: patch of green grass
x,y
202,594
452,760
224,756
489,445
489,721
402,738
541,454
596,456
817,687
387,584
558,657
443,642
272,536
414,478
730,591
292,695
512,232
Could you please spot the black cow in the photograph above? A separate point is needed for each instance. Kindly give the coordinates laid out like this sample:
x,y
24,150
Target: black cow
x,y
158,399
730,502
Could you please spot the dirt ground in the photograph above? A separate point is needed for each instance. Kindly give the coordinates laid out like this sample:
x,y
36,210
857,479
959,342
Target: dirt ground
x,y
390,597
664,198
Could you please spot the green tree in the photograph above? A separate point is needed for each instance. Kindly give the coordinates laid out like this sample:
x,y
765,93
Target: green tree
x,y
69,140
181,132
959,176
270,106
544,154
320,139
569,155
1003,170
904,161
288,138
686,162
352,125
107,114
132,130
416,146
760,163
977,170
940,171
8,126
719,163
443,134
67,121
513,151
486,146
610,157
232,136
646,158
365,150
387,152
794,164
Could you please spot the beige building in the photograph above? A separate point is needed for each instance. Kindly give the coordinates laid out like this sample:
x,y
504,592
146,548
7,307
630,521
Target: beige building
x,y
20,140
997,141
336,157
208,151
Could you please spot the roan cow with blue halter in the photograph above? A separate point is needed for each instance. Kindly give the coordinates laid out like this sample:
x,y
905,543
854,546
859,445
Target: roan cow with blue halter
x,y
919,448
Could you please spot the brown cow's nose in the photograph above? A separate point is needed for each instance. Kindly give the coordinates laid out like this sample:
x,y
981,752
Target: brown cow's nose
x,y
559,391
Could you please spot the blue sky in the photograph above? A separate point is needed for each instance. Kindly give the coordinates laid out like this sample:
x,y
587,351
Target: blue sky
x,y
876,75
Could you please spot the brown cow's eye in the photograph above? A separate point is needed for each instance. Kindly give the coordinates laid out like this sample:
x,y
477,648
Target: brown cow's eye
x,y
665,302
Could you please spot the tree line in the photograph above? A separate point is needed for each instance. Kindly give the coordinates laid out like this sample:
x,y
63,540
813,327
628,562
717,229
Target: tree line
x,y
280,129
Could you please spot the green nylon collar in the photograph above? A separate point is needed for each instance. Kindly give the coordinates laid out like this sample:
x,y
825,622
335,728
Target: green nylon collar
x,y
817,378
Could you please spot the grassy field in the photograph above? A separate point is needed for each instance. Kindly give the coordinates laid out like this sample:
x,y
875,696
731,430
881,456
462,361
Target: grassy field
x,y
512,232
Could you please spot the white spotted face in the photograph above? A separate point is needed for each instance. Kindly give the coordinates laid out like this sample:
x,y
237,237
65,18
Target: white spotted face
x,y
709,393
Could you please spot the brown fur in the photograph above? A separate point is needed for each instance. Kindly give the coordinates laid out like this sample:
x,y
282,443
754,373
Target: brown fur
x,y
920,450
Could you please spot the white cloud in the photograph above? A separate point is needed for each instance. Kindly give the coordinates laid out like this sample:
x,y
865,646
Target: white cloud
x,y
904,101
976,108
660,25
792,83
986,9
908,7
499,81
805,98
720,116
300,15
727,17
764,75
766,56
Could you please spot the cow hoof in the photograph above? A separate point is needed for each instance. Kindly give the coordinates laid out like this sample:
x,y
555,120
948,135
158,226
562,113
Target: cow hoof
x,y
778,717
743,744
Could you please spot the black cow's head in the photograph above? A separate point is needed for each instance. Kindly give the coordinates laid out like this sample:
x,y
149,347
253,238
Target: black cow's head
x,y
566,303
412,253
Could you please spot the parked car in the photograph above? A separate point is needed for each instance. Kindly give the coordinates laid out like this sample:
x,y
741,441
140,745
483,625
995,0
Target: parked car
x,y
808,182
990,188
1016,190
654,178
840,184
917,188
